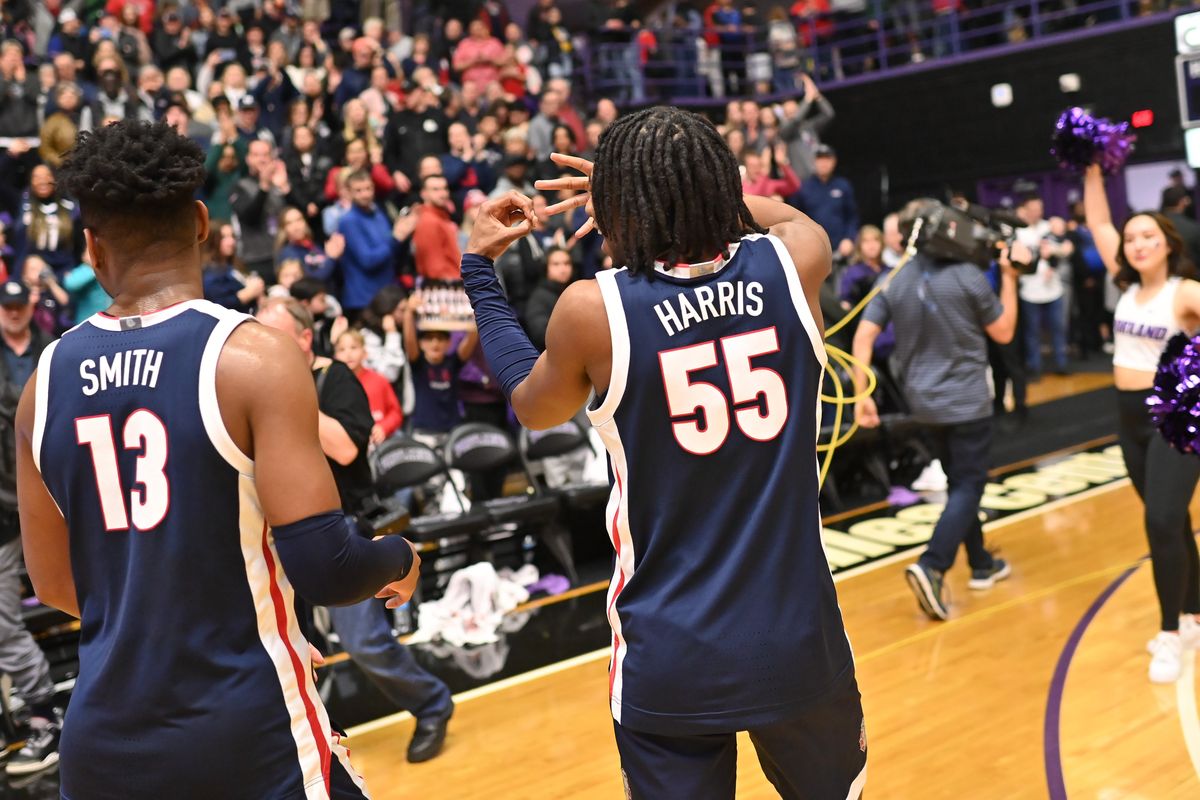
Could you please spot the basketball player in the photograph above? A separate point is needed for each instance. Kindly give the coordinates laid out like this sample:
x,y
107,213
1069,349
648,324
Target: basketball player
x,y
705,355
174,496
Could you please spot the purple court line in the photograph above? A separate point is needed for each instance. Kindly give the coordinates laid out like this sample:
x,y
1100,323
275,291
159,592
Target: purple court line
x,y
1054,771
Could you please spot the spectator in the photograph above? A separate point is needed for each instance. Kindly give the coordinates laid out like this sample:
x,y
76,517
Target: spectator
x,y
116,99
48,226
179,117
307,171
71,38
785,50
1088,279
227,282
51,303
225,167
132,44
274,91
893,242
372,244
768,174
515,176
1042,292
802,129
18,93
356,124
416,131
861,276
87,295
435,237
380,324
541,127
559,273
479,57
1177,207
345,423
332,214
295,242
435,376
358,159
171,41
249,127
257,201
328,320
60,128
829,200
350,349
21,346
289,271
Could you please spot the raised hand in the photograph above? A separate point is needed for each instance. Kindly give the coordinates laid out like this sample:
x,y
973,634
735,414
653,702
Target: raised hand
x,y
581,184
500,223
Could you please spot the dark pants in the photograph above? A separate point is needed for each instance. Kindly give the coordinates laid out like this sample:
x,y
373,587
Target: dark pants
x,y
1165,480
819,755
366,635
963,449
1007,366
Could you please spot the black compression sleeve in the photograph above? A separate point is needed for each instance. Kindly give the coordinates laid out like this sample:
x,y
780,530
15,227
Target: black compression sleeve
x,y
330,564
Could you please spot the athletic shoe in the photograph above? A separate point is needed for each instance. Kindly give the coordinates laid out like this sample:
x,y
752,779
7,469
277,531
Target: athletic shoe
x,y
40,750
927,585
1189,632
931,479
986,578
428,737
1167,660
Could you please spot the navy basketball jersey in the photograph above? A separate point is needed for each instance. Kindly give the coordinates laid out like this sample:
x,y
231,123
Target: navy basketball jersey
x,y
194,678
722,605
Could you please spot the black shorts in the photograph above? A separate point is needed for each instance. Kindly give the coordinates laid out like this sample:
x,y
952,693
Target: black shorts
x,y
819,755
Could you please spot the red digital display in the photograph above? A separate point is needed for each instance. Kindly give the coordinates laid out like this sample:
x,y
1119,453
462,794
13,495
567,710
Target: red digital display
x,y
1142,119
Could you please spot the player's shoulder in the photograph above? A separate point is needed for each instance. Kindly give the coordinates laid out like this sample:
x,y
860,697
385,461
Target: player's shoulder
x,y
257,355
580,320
808,245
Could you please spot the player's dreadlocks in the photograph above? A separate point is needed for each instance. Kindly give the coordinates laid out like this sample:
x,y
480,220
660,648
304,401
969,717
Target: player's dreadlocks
x,y
666,187
133,177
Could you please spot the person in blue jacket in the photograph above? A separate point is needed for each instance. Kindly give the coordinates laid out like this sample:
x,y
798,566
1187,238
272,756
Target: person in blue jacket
x,y
372,244
829,200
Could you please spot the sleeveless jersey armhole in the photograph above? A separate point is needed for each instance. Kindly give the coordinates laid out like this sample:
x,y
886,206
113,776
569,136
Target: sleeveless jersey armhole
x,y
210,409
799,300
619,333
41,402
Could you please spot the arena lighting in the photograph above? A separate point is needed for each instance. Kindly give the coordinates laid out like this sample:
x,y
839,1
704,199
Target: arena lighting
x,y
1142,119
1069,82
1002,95
1187,33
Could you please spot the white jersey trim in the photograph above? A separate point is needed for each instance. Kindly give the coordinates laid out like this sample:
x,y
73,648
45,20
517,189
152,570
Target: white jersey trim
x,y
210,409
799,300
41,403
618,331
107,322
279,632
617,521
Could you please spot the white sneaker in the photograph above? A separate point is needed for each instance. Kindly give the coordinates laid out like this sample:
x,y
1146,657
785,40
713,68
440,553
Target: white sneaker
x,y
931,479
1167,660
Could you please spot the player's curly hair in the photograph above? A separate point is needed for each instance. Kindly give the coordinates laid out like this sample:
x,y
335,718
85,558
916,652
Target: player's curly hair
x,y
666,187
131,171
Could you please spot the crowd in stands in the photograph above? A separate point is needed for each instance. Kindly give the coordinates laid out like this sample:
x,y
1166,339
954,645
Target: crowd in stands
x,y
348,157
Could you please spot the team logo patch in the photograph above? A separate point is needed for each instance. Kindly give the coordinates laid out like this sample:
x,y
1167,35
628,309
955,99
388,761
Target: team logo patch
x,y
130,323
862,735
625,783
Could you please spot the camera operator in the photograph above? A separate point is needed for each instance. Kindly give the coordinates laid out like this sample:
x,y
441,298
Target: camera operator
x,y
943,313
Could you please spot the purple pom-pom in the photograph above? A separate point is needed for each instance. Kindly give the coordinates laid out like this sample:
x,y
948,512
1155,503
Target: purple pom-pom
x,y
1081,140
1174,401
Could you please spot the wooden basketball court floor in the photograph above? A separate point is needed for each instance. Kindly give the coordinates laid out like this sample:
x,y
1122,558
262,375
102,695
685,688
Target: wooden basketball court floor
x,y
1035,689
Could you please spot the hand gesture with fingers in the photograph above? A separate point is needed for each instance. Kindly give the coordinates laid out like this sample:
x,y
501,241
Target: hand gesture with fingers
x,y
501,222
580,184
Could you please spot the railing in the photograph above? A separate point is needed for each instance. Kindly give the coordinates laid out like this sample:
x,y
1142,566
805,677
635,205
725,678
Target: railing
x,y
691,63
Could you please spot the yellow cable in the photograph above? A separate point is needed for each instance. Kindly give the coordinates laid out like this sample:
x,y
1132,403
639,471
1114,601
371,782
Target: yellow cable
x,y
840,358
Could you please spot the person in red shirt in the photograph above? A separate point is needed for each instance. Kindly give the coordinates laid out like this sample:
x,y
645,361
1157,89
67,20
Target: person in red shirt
x,y
757,179
351,350
435,237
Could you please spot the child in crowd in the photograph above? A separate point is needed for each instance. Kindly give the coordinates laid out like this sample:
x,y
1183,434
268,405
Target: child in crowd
x,y
385,408
290,270
435,376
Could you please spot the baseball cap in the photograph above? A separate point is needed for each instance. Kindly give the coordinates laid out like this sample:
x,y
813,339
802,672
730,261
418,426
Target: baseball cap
x,y
14,293
825,151
68,15
247,103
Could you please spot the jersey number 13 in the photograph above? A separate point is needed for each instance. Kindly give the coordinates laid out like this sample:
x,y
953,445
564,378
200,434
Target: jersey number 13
x,y
150,496
759,397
